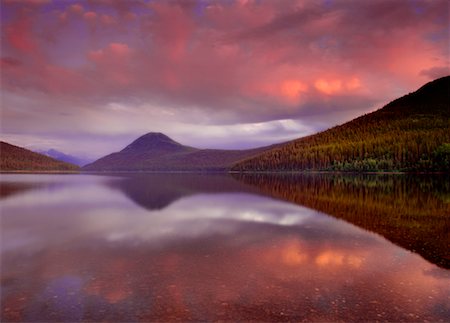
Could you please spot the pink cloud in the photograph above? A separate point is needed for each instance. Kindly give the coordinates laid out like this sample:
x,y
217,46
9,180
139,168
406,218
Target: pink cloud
x,y
171,27
113,53
9,62
90,15
234,61
436,72
19,35
76,8
59,80
112,64
107,19
27,2
292,89
337,86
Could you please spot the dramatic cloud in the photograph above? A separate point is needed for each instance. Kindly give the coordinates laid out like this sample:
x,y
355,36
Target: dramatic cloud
x,y
205,71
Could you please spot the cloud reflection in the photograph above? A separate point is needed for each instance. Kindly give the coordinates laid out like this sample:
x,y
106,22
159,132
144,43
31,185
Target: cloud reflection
x,y
222,256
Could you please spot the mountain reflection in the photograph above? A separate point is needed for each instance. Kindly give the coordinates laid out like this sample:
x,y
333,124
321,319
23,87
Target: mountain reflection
x,y
84,251
155,191
411,211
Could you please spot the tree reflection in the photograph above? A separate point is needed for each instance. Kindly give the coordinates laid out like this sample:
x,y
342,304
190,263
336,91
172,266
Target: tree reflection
x,y
411,211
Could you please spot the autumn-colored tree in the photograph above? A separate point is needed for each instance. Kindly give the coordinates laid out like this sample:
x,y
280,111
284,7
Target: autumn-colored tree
x,y
409,134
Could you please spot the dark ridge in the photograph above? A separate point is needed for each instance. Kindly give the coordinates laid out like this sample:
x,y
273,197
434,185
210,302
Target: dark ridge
x,y
14,158
157,152
433,97
409,134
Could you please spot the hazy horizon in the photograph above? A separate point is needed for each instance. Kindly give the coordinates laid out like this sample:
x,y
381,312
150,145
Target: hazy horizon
x,y
88,77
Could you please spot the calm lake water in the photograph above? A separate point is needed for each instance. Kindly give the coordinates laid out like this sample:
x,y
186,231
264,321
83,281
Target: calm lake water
x,y
191,247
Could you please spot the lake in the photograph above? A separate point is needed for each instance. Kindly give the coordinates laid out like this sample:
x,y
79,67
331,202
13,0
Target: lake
x,y
197,247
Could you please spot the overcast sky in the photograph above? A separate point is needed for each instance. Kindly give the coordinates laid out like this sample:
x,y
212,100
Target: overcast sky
x,y
87,77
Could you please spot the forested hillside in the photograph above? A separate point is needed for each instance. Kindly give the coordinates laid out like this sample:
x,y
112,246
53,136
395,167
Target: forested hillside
x,y
13,158
411,133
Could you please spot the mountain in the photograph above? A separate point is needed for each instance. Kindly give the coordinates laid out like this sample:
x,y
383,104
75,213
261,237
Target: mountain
x,y
13,158
411,133
157,152
53,153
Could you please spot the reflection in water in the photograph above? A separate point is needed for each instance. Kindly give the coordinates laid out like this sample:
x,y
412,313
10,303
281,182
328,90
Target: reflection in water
x,y
411,211
84,250
157,191
9,189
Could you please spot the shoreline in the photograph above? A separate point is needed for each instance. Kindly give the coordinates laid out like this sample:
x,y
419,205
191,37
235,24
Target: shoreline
x,y
81,172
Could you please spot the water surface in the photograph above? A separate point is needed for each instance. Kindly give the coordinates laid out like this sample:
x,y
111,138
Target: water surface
x,y
149,247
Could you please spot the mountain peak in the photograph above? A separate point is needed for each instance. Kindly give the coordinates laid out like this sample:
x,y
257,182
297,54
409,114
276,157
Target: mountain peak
x,y
153,141
155,136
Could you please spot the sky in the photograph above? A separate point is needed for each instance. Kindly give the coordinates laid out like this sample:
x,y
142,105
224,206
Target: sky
x,y
88,77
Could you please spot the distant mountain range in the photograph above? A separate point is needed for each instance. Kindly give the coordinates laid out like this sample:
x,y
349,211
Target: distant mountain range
x,y
53,153
13,158
411,133
157,152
